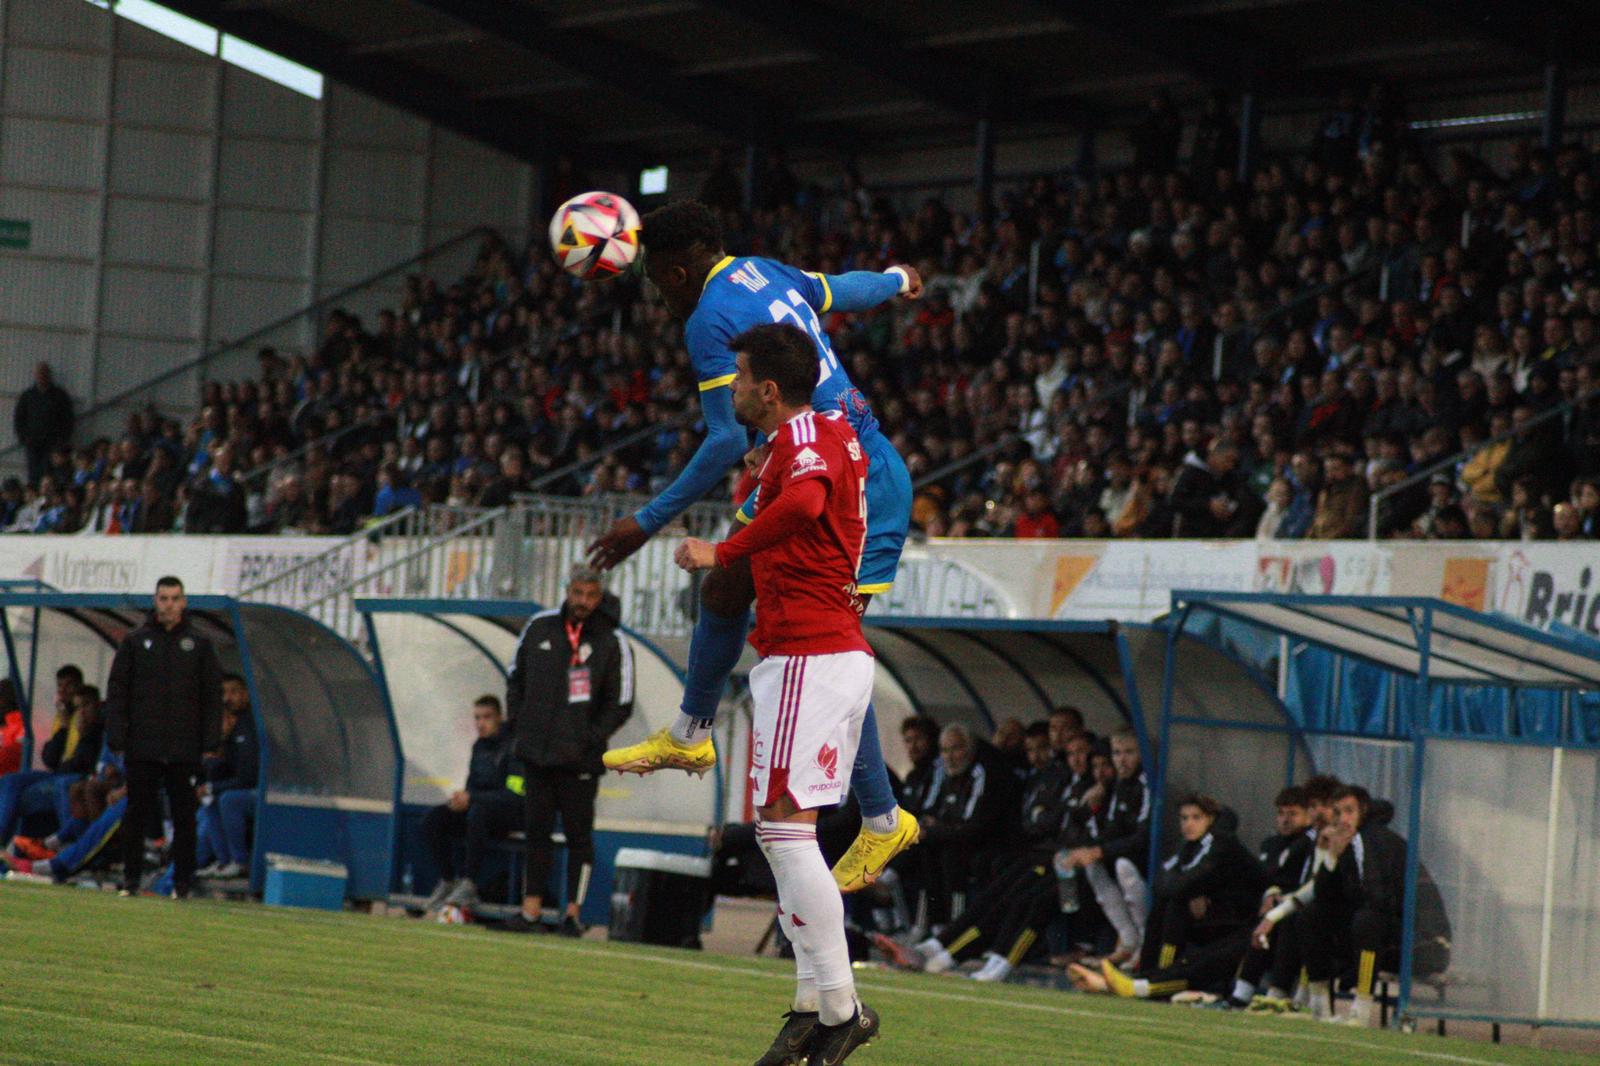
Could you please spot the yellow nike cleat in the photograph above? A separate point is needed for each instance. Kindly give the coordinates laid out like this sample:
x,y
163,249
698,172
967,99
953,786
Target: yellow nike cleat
x,y
871,852
1119,983
661,751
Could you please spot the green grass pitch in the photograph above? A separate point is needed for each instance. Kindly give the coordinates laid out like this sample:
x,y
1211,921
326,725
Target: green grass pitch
x,y
86,978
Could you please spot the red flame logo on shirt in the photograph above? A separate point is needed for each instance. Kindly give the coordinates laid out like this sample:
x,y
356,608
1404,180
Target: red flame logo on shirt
x,y
828,760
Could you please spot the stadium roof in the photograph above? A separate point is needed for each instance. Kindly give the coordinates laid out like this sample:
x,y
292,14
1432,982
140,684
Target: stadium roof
x,y
1459,645
650,81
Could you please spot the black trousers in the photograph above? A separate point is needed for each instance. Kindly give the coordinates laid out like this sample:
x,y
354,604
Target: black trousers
x,y
1282,958
571,794
146,781
1336,939
486,819
1207,964
1009,914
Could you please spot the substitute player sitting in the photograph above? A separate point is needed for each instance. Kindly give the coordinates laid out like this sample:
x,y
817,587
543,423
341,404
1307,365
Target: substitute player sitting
x,y
814,681
719,296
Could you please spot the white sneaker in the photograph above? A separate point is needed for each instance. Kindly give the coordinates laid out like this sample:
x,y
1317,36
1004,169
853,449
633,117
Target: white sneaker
x,y
996,969
465,894
441,892
229,871
208,871
940,961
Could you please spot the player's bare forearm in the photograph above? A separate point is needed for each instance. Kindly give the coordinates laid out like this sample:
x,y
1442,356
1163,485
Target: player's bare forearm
x,y
695,554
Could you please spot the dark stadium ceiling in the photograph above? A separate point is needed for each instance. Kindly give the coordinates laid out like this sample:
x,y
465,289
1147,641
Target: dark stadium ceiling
x,y
637,82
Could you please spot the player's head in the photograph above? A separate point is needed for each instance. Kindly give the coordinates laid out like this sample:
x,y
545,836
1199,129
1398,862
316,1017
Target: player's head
x,y
486,716
585,589
1036,743
777,373
1196,815
1125,753
682,242
1293,810
1350,805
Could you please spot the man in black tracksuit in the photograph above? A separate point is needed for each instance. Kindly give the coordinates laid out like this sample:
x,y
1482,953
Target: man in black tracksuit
x,y
972,815
483,811
570,688
163,714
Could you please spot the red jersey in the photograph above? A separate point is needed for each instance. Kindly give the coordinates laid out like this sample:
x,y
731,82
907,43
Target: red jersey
x,y
806,600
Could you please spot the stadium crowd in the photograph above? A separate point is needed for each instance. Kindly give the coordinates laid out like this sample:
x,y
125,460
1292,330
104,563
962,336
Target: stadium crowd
x,y
1200,357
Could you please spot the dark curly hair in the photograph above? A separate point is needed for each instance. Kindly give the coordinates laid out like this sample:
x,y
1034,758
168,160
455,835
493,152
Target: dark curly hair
x,y
679,227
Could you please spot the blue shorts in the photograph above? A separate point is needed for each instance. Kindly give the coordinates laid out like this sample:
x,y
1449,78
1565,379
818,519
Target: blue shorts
x,y
888,515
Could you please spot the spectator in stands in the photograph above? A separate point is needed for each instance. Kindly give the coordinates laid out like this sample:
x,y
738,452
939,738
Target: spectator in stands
x,y
231,778
42,420
1342,503
1114,864
216,499
163,712
570,688
482,811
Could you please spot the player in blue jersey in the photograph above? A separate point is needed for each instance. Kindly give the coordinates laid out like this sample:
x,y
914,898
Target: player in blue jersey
x,y
719,296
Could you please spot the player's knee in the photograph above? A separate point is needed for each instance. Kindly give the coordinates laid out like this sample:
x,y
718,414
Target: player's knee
x,y
1128,874
728,590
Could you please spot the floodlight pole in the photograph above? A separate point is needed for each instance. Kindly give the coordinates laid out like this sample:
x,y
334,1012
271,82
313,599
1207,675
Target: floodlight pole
x,y
1177,618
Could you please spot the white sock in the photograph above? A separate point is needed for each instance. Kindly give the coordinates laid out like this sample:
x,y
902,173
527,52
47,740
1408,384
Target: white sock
x,y
1321,999
805,983
687,730
1141,988
810,899
1243,991
882,824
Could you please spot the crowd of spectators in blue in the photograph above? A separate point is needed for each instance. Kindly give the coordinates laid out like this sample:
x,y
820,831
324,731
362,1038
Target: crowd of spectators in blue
x,y
1196,356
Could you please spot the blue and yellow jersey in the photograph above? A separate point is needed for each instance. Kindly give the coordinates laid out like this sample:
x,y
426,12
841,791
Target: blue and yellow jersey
x,y
742,292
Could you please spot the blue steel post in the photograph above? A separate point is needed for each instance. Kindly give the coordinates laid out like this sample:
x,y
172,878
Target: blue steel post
x,y
1176,619
258,859
399,753
33,680
1421,707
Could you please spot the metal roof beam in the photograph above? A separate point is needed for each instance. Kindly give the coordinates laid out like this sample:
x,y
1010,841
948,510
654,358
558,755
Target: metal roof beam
x,y
1221,58
862,45
1538,31
517,131
725,108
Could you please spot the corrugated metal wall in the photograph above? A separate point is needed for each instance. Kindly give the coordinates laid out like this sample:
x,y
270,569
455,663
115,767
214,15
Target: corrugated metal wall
x,y
178,202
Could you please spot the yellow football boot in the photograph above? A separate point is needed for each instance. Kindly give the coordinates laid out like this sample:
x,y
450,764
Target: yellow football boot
x,y
661,751
871,852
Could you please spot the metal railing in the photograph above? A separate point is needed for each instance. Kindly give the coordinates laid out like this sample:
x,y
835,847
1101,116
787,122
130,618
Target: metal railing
x,y
234,358
311,582
1376,500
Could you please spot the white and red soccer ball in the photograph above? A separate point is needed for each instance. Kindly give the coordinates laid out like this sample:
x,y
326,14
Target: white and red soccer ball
x,y
595,235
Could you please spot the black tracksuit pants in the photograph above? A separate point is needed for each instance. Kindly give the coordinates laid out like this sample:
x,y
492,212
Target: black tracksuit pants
x,y
570,793
488,817
146,781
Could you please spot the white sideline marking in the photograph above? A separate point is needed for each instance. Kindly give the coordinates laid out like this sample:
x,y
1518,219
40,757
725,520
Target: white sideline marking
x,y
170,1031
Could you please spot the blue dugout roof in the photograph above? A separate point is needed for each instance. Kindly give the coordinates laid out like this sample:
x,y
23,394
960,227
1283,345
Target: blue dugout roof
x,y
1420,637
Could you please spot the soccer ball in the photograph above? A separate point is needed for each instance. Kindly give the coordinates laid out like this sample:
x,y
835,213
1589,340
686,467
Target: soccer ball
x,y
595,235
453,915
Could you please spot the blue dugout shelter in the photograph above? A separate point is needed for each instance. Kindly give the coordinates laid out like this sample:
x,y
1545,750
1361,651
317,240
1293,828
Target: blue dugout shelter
x,y
1485,734
435,656
329,772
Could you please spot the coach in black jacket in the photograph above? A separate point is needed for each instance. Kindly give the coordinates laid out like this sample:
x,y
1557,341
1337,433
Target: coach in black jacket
x,y
570,688
163,713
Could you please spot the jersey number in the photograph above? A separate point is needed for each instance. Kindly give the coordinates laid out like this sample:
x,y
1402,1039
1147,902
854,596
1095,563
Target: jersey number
x,y
826,360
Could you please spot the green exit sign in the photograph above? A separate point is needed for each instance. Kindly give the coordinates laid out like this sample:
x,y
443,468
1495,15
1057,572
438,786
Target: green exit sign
x,y
15,233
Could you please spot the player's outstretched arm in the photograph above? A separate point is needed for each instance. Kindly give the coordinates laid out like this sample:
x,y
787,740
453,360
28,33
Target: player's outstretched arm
x,y
862,290
723,447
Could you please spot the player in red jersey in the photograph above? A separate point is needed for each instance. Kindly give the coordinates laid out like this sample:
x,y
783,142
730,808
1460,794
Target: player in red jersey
x,y
814,681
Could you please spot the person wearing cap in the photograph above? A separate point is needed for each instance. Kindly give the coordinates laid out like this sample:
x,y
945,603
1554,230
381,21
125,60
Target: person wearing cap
x,y
569,689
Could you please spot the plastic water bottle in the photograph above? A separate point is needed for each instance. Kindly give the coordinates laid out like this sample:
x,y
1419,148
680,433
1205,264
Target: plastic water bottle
x,y
1066,885
408,882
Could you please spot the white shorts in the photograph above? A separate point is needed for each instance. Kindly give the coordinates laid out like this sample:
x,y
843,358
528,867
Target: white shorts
x,y
809,710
